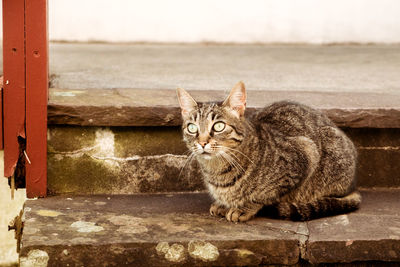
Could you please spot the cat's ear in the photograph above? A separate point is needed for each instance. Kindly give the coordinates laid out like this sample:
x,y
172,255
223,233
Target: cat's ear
x,y
186,101
236,100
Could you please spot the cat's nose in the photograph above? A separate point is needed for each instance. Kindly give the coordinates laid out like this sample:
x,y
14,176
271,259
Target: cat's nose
x,y
203,144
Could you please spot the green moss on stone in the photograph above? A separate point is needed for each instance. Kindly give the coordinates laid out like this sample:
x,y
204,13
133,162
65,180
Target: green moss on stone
x,y
144,141
70,138
77,175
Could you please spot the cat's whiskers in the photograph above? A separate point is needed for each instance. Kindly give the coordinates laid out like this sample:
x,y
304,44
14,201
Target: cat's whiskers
x,y
223,154
235,150
236,160
186,162
234,157
226,157
189,159
229,152
221,158
232,162
188,152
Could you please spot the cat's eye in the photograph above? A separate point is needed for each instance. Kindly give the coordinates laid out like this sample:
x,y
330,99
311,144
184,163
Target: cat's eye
x,y
219,126
192,128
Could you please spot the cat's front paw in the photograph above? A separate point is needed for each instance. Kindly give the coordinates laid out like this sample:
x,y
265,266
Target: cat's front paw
x,y
217,210
242,214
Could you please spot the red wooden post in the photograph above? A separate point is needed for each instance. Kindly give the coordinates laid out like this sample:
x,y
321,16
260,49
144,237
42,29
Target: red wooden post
x,y
1,110
25,67
14,81
36,96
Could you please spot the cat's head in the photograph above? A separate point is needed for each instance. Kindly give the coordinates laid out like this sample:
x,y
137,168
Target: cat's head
x,y
211,129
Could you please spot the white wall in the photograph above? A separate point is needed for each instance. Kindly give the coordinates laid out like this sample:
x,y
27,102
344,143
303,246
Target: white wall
x,y
242,21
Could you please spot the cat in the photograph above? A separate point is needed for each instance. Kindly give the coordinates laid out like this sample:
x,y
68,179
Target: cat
x,y
287,156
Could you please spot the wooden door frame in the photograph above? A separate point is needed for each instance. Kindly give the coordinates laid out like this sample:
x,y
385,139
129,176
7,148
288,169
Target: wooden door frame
x,y
25,91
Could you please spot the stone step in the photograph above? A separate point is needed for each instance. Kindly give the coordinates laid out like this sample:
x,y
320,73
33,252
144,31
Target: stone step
x,y
145,107
311,68
176,229
114,118
127,160
133,85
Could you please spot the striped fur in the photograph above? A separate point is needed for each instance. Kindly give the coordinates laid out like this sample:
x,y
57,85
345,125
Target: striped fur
x,y
288,156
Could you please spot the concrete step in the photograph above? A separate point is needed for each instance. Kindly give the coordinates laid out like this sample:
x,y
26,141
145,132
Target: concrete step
x,y
176,229
114,117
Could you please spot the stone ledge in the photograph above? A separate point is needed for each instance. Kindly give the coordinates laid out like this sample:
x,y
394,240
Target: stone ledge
x,y
152,230
344,68
133,85
370,234
142,107
176,229
128,160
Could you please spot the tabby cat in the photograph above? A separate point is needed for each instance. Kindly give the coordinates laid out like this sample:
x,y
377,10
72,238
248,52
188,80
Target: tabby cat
x,y
288,156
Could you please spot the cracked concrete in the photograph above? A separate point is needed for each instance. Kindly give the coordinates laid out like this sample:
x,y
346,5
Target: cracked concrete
x,y
305,235
132,158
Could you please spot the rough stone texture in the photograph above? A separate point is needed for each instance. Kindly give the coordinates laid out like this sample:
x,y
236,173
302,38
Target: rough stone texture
x,y
116,141
99,160
339,68
153,230
371,233
171,229
141,107
378,156
133,85
125,160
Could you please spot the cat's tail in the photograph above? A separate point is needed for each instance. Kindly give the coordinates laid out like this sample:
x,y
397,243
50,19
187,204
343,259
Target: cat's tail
x,y
319,208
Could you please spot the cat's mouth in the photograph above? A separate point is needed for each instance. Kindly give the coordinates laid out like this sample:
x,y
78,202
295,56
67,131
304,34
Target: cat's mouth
x,y
205,154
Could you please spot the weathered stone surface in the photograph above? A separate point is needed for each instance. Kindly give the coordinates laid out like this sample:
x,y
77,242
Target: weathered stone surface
x,y
379,167
365,118
153,230
125,160
176,229
373,138
99,160
358,86
378,156
369,234
341,68
141,107
116,141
